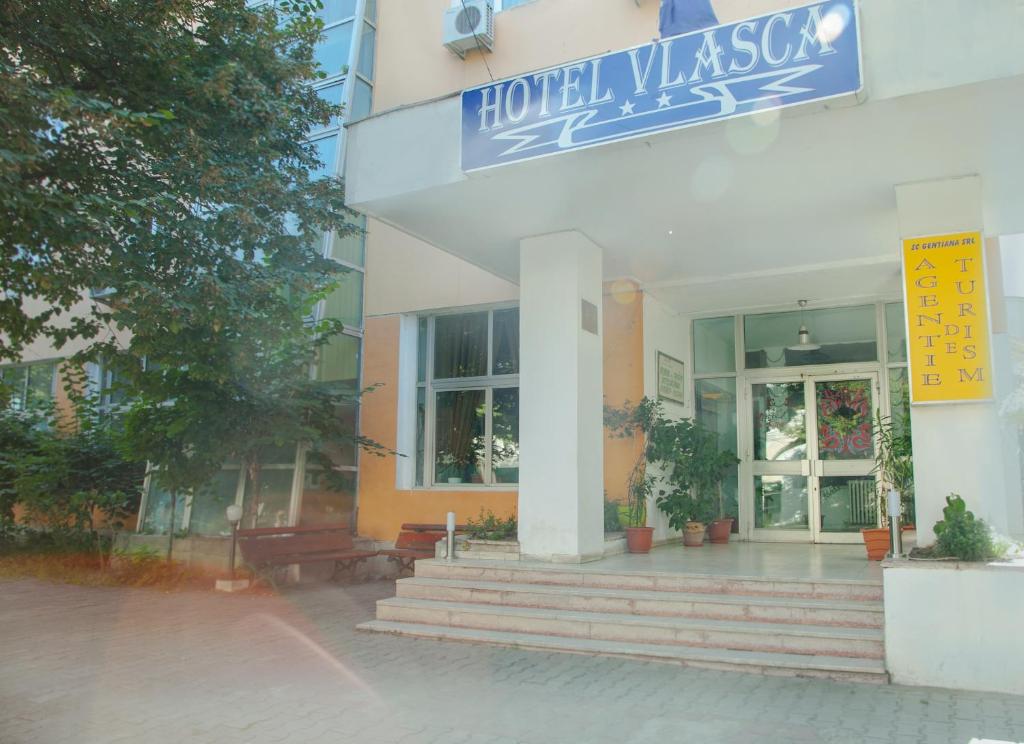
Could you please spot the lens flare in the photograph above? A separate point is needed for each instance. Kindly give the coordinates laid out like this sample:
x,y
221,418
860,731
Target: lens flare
x,y
624,292
835,21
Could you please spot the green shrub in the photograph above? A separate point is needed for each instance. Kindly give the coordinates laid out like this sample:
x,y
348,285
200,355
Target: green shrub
x,y
490,527
962,536
612,516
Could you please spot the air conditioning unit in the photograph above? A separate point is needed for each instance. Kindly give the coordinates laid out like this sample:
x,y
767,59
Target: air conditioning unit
x,y
469,24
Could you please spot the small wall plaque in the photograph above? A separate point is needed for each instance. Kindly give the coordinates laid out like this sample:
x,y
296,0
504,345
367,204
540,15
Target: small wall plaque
x,y
671,379
589,317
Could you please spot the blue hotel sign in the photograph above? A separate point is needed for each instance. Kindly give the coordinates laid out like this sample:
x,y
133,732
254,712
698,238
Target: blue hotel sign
x,y
794,56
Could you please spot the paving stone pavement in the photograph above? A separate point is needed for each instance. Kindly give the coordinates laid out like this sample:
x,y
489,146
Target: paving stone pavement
x,y
82,665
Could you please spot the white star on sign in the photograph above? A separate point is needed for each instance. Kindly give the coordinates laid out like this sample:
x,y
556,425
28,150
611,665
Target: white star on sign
x,y
664,100
626,108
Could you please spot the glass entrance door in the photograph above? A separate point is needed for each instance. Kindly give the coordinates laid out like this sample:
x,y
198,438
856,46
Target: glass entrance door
x,y
811,457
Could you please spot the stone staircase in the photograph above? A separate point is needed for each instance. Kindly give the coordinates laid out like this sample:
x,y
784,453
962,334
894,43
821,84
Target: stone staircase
x,y
813,627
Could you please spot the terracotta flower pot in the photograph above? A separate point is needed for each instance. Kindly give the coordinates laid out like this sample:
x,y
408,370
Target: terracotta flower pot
x,y
876,540
693,535
638,539
719,530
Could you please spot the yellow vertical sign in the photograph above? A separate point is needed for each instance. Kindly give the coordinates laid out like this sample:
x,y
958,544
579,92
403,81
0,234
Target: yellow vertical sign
x,y
947,318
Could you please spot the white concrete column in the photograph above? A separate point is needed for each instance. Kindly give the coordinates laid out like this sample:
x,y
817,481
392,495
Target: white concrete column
x,y
957,446
561,455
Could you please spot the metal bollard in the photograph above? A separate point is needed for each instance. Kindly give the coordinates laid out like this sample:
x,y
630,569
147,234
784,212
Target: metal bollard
x,y
450,538
895,509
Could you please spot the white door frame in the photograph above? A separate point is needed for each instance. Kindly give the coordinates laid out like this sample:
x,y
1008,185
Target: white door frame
x,y
812,467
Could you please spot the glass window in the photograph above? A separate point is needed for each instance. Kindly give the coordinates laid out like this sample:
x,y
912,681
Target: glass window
x,y
715,410
328,498
780,421
332,94
714,345
29,384
421,422
421,349
157,520
366,52
467,416
339,360
39,386
895,332
332,52
460,346
899,398
845,413
838,335
780,502
275,498
506,341
345,303
336,10
848,503
13,379
362,100
350,248
278,454
460,420
371,10
208,516
341,454
327,154
505,436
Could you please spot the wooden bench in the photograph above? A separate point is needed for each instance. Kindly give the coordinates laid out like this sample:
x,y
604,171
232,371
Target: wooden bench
x,y
265,548
417,541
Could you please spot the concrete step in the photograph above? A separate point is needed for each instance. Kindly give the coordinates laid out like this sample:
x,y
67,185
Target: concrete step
x,y
863,614
739,635
583,576
796,665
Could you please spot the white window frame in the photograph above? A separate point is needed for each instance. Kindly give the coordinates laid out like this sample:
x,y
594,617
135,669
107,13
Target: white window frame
x,y
431,387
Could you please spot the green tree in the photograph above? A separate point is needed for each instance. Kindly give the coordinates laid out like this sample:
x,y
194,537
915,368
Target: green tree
x,y
155,149
19,439
70,474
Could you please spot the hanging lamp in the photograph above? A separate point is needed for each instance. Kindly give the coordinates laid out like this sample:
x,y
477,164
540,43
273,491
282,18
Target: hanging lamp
x,y
804,341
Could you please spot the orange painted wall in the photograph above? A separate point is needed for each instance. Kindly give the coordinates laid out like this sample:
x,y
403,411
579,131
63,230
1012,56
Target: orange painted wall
x,y
623,376
383,508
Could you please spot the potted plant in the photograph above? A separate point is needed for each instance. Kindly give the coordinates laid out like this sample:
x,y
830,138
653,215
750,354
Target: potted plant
x,y
693,467
690,464
720,529
638,535
635,423
894,464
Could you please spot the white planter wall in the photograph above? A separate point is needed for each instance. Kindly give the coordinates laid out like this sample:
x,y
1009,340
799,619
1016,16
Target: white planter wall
x,y
955,625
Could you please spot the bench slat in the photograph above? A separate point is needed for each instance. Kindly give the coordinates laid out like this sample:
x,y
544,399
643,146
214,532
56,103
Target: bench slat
x,y
261,548
300,530
418,540
287,560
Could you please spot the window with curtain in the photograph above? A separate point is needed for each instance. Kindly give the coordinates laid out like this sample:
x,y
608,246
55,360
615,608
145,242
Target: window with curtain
x,y
468,399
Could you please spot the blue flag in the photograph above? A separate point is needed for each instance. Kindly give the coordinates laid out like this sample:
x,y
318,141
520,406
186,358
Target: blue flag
x,y
682,16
